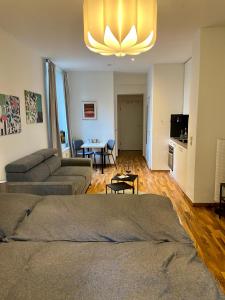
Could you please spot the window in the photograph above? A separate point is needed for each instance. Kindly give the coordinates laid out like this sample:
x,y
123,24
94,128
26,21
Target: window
x,y
62,118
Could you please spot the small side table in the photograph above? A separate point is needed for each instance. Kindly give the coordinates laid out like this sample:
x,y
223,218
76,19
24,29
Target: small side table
x,y
222,198
118,186
129,178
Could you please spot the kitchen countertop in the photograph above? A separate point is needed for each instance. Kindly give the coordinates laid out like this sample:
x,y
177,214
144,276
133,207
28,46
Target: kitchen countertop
x,y
185,145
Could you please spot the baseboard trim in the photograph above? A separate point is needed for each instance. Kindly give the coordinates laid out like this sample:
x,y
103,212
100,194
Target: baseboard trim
x,y
200,204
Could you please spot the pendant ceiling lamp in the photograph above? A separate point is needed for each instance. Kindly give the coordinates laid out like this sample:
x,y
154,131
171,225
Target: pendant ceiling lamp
x,y
120,27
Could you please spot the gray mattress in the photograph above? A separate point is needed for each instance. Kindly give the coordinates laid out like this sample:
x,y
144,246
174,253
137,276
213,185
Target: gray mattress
x,y
94,248
89,218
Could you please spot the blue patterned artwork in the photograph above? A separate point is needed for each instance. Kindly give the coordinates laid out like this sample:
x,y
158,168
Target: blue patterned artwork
x,y
33,104
10,120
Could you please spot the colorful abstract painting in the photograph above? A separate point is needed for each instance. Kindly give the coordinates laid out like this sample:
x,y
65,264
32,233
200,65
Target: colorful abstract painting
x,y
10,120
33,104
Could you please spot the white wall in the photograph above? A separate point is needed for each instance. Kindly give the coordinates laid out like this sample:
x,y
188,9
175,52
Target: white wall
x,y
211,110
167,99
131,84
92,86
193,114
187,86
21,68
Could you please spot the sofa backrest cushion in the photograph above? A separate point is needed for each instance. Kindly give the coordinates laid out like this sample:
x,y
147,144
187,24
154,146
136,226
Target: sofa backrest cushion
x,y
46,153
24,164
34,167
53,163
37,174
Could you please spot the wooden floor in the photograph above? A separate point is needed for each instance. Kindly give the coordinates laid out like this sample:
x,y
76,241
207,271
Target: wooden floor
x,y
202,224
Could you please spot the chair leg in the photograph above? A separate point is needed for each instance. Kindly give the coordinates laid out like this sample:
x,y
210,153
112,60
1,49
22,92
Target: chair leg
x,y
108,158
114,161
95,163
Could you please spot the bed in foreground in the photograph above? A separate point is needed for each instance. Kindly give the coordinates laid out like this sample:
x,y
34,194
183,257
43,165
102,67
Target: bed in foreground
x,y
93,247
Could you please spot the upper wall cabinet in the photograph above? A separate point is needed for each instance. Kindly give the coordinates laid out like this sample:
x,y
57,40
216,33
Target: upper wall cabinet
x,y
187,86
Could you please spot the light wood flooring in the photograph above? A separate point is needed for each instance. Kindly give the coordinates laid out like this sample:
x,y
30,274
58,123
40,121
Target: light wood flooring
x,y
201,223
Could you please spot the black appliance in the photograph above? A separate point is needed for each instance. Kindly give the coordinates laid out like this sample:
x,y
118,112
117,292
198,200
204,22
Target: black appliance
x,y
178,125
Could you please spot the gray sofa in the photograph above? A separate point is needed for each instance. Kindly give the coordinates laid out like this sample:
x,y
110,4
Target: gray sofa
x,y
44,173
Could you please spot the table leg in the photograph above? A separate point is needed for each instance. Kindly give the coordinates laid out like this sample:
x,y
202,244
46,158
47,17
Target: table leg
x,y
102,151
83,152
106,189
137,184
220,207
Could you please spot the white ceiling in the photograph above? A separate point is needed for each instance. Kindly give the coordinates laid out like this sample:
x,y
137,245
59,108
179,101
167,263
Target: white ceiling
x,y
55,28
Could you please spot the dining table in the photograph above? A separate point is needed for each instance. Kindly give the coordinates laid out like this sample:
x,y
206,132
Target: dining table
x,y
99,145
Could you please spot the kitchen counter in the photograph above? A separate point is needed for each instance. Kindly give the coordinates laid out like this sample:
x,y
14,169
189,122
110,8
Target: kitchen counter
x,y
182,144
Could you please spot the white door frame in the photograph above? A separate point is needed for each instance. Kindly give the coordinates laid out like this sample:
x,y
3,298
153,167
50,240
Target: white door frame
x,y
144,119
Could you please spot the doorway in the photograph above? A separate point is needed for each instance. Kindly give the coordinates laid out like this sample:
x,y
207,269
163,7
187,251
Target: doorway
x,y
130,122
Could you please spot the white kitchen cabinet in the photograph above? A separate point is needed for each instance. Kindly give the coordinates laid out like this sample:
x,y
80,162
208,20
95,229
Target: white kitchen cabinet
x,y
179,164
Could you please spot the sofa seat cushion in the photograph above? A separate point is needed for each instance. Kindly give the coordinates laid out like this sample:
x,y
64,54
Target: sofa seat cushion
x,y
78,182
74,171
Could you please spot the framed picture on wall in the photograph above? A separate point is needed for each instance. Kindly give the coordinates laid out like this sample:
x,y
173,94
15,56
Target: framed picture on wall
x,y
89,110
10,120
33,103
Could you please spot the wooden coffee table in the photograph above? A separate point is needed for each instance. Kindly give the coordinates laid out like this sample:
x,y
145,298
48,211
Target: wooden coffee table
x,y
129,178
119,186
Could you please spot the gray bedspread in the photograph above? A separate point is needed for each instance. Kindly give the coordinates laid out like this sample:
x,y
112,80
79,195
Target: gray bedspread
x,y
104,271
96,248
97,218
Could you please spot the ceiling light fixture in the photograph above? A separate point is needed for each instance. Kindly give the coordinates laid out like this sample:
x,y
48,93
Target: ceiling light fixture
x,y
120,27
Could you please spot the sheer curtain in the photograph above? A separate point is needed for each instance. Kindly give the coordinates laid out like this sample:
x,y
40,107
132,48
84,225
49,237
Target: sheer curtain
x,y
67,105
53,124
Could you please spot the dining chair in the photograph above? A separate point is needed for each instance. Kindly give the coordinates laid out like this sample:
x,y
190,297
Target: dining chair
x,y
110,147
78,151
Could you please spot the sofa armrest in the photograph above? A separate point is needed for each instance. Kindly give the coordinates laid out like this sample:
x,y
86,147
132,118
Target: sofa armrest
x,y
78,162
42,188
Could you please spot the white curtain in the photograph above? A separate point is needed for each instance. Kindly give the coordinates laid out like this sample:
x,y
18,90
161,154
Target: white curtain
x,y
53,124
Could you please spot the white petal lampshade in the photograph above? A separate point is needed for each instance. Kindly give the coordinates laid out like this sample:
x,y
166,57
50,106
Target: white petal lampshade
x,y
120,27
